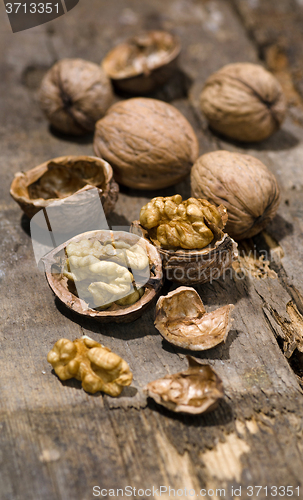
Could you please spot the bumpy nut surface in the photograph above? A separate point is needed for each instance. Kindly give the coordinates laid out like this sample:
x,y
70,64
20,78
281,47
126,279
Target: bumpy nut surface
x,y
244,184
180,224
243,101
149,143
74,94
182,320
89,265
96,366
196,390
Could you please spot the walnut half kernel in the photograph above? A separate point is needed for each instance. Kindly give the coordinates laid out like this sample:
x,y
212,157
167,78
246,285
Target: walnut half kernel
x,y
196,390
182,320
96,366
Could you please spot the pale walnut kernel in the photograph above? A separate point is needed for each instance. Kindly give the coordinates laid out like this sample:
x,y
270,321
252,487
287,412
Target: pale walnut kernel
x,y
180,224
96,366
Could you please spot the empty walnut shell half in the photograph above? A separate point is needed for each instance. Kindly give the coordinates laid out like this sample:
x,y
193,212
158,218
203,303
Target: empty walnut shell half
x,y
244,102
74,94
61,177
247,188
143,63
148,142
64,289
182,320
196,390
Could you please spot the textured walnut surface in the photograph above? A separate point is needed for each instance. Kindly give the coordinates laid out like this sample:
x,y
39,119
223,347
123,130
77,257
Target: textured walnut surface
x,y
196,390
149,143
96,366
74,94
244,184
173,223
243,101
182,320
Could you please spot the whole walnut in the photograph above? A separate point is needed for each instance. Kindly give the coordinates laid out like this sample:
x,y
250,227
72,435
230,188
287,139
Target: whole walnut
x,y
149,143
243,101
244,184
74,94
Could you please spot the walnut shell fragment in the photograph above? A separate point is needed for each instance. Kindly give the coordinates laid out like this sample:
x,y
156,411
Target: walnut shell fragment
x,y
247,188
182,320
96,366
124,309
74,94
196,390
244,102
148,142
62,177
142,63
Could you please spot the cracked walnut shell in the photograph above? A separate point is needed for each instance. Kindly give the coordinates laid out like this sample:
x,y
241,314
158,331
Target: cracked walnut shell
x,y
244,102
182,320
72,284
74,94
142,63
244,184
148,142
96,366
59,178
188,265
196,390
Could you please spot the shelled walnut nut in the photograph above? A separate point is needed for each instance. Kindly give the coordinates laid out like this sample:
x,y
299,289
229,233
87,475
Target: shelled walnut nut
x,y
96,366
196,390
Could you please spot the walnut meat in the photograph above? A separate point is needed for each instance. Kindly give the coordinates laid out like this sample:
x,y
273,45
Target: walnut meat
x,y
60,178
74,94
96,366
142,63
244,184
174,223
182,320
244,102
196,390
91,271
149,143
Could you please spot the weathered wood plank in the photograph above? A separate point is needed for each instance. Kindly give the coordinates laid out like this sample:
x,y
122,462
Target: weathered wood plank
x,y
57,442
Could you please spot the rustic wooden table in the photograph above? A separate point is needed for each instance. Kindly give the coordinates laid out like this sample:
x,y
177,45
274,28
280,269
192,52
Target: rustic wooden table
x,y
56,441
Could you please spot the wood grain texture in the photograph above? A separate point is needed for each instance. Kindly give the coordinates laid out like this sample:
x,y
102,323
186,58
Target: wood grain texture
x,y
56,441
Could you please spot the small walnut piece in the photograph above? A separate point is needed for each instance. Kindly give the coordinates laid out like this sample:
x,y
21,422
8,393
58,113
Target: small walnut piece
x,y
182,320
243,101
244,184
174,223
96,366
196,390
100,280
149,143
74,94
142,63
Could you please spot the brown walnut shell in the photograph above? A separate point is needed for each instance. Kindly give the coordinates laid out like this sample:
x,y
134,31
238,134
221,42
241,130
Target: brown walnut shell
x,y
149,143
62,177
196,390
74,94
143,63
54,265
244,102
190,267
182,320
244,184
